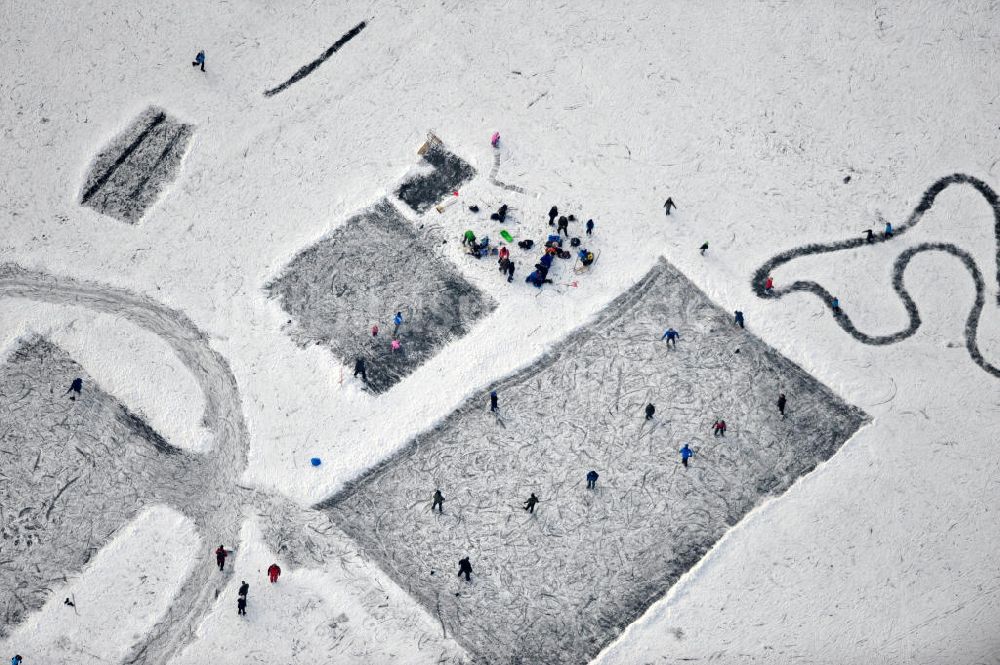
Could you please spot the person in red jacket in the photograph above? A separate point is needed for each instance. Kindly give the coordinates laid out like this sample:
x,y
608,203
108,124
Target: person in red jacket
x,y
768,284
273,571
220,557
720,427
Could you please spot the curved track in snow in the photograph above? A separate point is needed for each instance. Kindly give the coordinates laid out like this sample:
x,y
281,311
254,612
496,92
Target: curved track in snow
x,y
899,269
216,512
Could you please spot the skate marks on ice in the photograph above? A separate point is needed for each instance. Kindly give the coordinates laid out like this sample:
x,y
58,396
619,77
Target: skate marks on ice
x,y
374,265
129,174
308,69
557,586
447,173
493,175
100,457
899,270
75,471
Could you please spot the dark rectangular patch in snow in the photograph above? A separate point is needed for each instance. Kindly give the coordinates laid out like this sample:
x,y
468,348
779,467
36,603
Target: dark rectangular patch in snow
x,y
448,173
558,586
363,273
74,471
130,173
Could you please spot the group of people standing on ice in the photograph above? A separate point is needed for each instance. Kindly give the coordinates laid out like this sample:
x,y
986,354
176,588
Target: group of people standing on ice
x,y
273,572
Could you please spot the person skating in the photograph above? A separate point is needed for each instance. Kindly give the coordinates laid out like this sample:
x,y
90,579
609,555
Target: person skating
x,y
220,557
244,588
719,427
671,336
888,230
650,410
494,406
199,60
686,453
835,304
553,213
739,318
563,226
469,238
438,501
590,227
397,321
241,606
395,345
869,235
273,572
592,477
529,505
703,248
465,568
781,404
669,205
768,284
75,387
359,368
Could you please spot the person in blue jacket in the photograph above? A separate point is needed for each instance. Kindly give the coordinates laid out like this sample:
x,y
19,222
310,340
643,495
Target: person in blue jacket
x,y
835,303
686,453
199,60
398,321
671,336
888,230
546,260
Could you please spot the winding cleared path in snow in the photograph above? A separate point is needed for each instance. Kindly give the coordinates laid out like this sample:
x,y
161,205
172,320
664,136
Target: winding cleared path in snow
x,y
899,269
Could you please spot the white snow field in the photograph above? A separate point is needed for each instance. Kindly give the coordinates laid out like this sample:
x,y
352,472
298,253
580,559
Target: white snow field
x,y
773,126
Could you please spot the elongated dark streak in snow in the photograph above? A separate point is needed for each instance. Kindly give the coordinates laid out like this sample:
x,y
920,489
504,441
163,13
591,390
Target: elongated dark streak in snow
x,y
160,117
308,69
899,268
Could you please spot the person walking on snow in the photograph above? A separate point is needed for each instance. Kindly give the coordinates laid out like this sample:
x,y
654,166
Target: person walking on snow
x,y
398,321
563,226
703,248
241,606
16,660
553,213
650,410
244,588
668,205
781,404
739,318
465,568
469,238
592,477
199,60
438,501
74,388
590,227
719,427
671,336
494,407
869,235
220,557
529,505
686,453
359,368
273,572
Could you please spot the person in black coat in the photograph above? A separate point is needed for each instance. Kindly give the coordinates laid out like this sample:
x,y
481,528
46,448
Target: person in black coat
x,y
465,568
650,410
